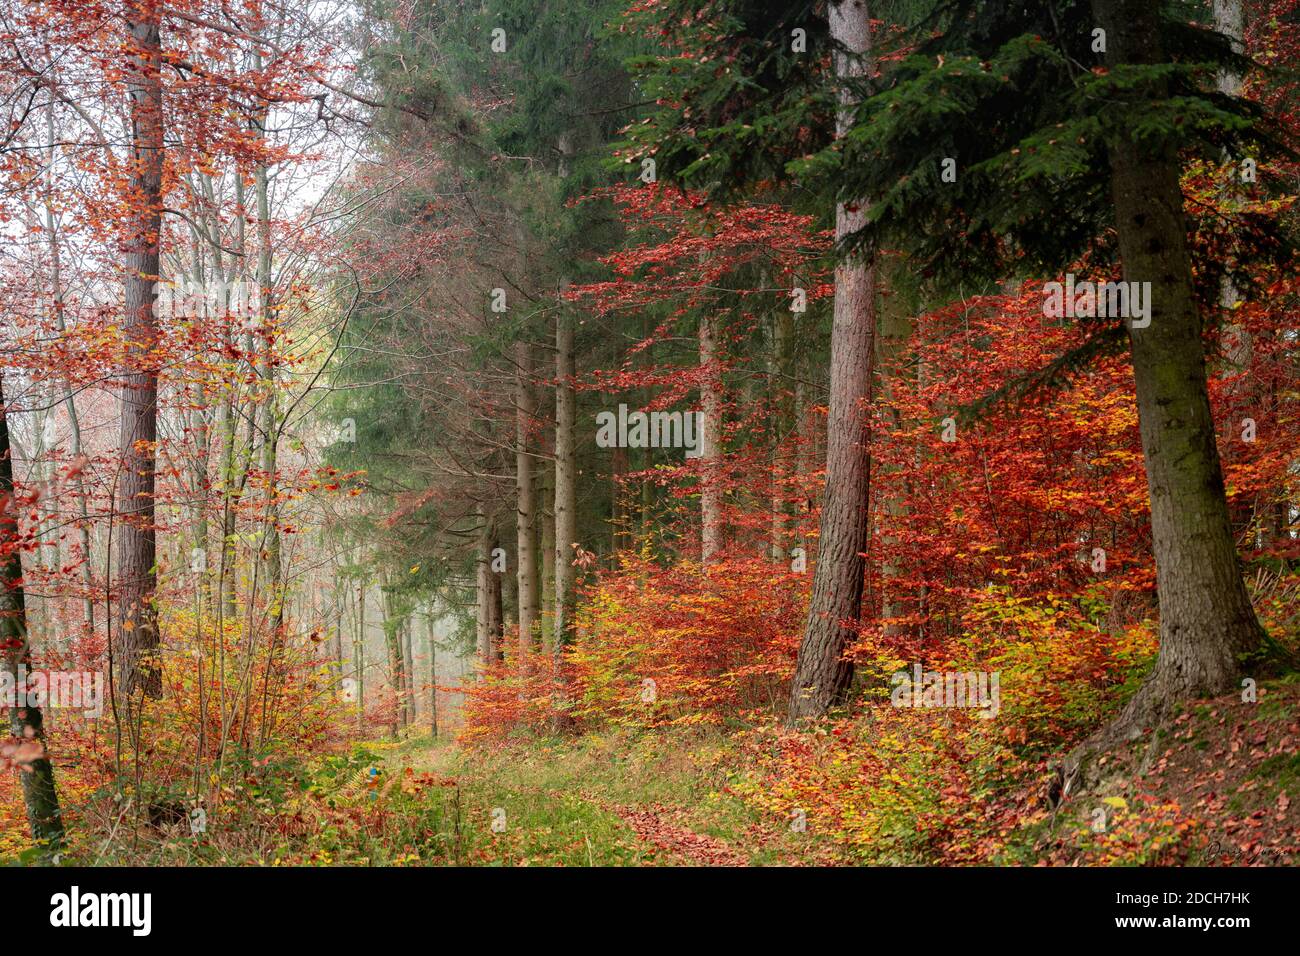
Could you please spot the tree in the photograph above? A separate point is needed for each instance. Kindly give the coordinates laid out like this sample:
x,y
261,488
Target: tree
x,y
1059,137
822,674
738,128
525,498
1207,623
26,723
137,617
566,484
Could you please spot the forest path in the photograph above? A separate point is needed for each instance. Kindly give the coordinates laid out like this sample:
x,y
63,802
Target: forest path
x,y
550,795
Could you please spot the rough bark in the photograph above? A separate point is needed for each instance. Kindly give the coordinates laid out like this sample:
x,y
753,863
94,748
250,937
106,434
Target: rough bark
x,y
137,624
566,526
780,377
822,675
1206,620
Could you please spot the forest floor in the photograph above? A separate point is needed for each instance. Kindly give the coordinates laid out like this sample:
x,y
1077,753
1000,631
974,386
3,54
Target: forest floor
x,y
1217,786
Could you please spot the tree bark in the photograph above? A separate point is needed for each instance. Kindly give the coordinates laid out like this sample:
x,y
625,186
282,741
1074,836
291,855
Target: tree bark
x,y
780,381
566,528
525,495
433,675
396,662
408,671
710,439
40,796
1207,622
822,675
482,575
546,548
137,620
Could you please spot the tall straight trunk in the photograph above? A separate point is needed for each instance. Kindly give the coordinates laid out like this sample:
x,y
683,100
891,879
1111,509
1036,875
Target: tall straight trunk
x,y
137,620
396,663
359,658
408,671
525,500
1206,619
338,629
433,674
40,796
891,344
647,454
270,425
780,375
710,439
228,421
1229,20
1238,343
496,612
620,503
822,675
487,592
269,555
566,525
546,549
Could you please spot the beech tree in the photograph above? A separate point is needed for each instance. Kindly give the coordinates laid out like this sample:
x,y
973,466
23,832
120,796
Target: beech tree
x,y
137,556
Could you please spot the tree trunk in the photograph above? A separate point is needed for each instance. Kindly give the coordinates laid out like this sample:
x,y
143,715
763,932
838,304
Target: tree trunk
x,y
566,530
488,615
780,381
546,548
525,524
396,662
270,407
137,621
1206,619
710,439
408,672
433,675
822,675
359,658
25,723
891,345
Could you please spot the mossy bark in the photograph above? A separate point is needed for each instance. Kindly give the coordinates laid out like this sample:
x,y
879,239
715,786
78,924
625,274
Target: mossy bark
x,y
1207,623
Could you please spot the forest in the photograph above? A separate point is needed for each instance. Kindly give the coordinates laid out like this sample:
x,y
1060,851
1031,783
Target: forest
x,y
650,433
